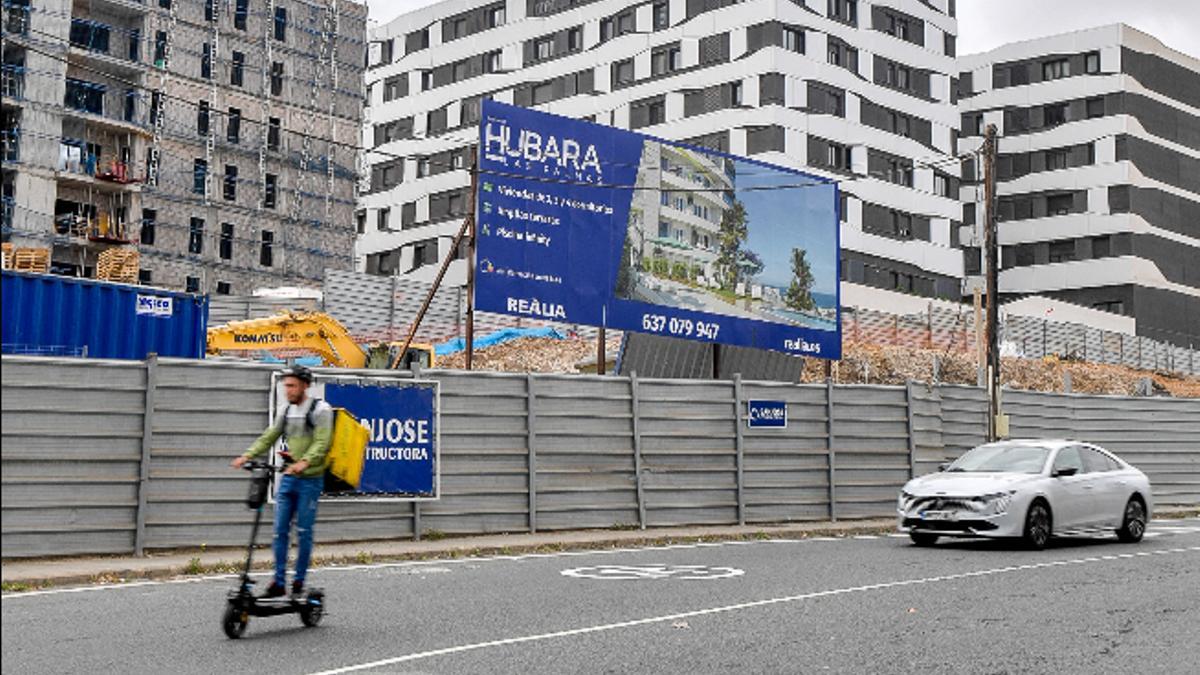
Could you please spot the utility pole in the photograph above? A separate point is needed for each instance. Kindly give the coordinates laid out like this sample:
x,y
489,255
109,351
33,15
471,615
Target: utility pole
x,y
993,278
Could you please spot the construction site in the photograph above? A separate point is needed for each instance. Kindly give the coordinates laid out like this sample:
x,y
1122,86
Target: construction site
x,y
199,145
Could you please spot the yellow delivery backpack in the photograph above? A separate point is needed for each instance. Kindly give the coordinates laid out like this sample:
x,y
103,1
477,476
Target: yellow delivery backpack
x,y
348,447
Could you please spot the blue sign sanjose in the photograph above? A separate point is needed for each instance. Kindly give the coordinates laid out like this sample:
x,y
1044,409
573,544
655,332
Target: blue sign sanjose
x,y
582,223
766,414
402,448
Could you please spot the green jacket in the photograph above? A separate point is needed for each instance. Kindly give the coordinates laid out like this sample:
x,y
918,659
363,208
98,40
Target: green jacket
x,y
302,442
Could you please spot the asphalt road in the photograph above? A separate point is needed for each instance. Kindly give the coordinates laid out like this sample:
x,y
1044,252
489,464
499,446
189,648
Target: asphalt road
x,y
856,605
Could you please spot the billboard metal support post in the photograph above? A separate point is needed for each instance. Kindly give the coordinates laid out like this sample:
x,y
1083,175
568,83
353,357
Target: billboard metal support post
x,y
830,454
531,439
601,351
993,278
912,440
468,225
471,228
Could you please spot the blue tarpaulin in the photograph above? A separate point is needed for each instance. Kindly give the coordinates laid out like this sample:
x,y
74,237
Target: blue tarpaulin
x,y
495,338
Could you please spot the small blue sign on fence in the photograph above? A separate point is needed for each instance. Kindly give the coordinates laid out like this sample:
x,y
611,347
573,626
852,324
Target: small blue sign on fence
x,y
766,414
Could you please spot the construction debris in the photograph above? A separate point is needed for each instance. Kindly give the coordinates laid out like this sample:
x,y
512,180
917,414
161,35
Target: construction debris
x,y
862,364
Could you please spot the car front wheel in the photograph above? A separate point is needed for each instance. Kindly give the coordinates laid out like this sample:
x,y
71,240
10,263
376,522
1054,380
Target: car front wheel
x,y
1038,525
1133,525
923,538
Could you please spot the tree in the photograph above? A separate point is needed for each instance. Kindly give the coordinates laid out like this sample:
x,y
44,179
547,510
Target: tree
x,y
625,271
799,293
730,236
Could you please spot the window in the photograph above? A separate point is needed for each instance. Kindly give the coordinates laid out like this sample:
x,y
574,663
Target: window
x,y
457,29
426,80
209,10
1054,115
606,30
225,246
458,71
266,251
1114,306
1062,251
793,40
229,189
491,62
85,96
192,284
657,112
1059,205
495,17
269,190
845,11
1101,247
664,60
735,93
623,73
144,277
223,288
625,23
575,39
160,48
202,116
456,205
149,219
1056,69
837,156
543,92
900,124
1091,63
90,35
199,175
236,69
941,186
949,45
1095,107
233,125
662,15
393,87
281,24
196,236
240,12
382,216
276,78
543,48
273,133
903,77
424,253
206,62
1056,159
835,55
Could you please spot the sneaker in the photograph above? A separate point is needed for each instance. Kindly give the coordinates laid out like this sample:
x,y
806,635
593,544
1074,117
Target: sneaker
x,y
297,588
274,591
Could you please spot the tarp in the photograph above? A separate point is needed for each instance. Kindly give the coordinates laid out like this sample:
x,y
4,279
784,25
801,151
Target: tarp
x,y
498,337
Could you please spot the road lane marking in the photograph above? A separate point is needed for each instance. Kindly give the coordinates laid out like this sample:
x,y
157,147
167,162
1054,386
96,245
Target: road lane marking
x,y
740,606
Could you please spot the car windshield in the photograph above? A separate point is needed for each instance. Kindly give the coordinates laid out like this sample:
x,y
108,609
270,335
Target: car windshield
x,y
997,458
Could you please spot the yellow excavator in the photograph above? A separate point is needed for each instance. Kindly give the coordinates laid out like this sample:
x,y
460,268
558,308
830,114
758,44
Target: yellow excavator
x,y
316,332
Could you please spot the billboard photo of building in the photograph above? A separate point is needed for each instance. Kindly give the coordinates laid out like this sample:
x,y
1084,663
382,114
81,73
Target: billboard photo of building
x,y
718,234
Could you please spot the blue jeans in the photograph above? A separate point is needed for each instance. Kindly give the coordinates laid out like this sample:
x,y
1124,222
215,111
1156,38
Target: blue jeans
x,y
297,498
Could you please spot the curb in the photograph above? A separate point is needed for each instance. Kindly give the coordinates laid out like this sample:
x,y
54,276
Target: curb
x,y
231,560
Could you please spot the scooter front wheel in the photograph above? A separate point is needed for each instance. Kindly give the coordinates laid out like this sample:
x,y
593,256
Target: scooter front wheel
x,y
234,621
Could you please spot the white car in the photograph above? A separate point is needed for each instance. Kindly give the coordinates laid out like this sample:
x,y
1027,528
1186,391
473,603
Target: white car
x,y
1027,489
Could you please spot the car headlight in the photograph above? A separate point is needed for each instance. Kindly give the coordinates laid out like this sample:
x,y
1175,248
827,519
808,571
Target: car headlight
x,y
995,503
904,501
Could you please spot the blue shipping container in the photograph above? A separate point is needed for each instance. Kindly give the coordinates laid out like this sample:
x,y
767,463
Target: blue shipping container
x,y
53,315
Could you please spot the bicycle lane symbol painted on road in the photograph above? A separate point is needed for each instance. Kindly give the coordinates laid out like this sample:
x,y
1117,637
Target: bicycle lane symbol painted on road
x,y
633,572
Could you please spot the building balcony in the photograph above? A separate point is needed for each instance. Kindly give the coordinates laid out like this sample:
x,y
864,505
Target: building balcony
x,y
16,17
12,83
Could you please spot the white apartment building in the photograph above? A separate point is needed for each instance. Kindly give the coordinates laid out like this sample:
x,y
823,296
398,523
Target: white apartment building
x,y
859,90
1098,174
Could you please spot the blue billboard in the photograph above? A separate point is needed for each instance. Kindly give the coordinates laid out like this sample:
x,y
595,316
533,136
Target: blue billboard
x,y
582,223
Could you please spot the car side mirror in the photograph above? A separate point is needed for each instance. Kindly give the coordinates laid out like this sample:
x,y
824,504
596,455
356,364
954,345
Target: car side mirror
x,y
943,466
1065,471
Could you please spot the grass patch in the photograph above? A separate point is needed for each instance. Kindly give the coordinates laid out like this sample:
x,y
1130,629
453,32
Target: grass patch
x,y
193,567
16,587
433,535
363,558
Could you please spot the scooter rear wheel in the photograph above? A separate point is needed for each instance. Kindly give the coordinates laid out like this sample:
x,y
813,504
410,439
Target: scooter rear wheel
x,y
234,621
313,610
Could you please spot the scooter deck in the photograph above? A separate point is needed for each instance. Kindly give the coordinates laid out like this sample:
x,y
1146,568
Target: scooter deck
x,y
276,606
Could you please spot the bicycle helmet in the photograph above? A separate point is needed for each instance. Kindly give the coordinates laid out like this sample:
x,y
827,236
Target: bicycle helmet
x,y
300,373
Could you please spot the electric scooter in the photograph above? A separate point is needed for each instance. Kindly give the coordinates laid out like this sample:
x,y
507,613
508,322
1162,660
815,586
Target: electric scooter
x,y
242,604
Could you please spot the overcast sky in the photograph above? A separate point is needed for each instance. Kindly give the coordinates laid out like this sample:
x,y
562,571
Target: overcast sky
x,y
984,24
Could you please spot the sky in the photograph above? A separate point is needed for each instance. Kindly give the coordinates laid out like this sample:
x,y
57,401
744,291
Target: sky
x,y
984,24
802,216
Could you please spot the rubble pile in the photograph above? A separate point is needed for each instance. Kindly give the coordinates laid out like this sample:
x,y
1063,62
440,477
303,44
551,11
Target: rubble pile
x,y
867,364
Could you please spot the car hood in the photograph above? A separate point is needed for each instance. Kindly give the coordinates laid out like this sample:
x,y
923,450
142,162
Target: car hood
x,y
966,483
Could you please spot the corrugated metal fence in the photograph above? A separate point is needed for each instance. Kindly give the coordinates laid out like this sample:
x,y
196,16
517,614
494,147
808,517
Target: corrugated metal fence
x,y
118,456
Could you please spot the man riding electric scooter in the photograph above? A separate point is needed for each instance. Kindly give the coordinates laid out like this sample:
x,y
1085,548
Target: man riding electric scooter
x,y
306,425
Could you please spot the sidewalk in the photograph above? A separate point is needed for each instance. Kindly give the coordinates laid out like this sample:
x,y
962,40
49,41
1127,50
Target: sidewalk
x,y
38,572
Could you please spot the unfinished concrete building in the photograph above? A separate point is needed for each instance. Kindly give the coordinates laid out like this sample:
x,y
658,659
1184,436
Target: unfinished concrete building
x,y
215,137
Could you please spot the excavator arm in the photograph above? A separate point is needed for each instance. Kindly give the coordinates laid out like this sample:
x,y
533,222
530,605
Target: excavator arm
x,y
314,331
